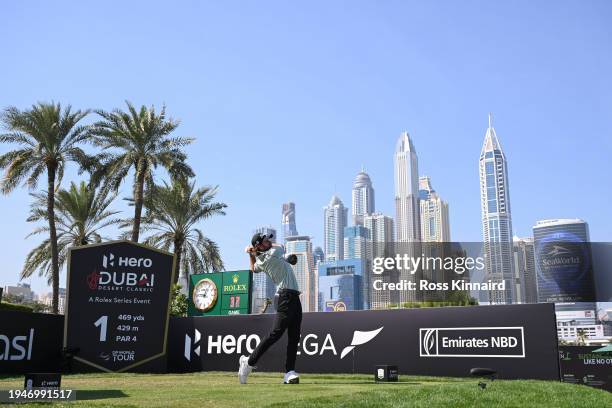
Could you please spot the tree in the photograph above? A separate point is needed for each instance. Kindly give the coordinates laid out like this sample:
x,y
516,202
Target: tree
x,y
142,142
48,138
172,213
179,302
81,212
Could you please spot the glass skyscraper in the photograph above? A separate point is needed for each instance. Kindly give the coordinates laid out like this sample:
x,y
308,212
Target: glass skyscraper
x,y
335,219
407,219
496,217
288,221
362,197
304,270
435,226
526,290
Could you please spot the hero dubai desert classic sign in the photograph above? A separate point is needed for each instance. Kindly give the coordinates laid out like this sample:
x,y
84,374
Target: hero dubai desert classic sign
x,y
118,304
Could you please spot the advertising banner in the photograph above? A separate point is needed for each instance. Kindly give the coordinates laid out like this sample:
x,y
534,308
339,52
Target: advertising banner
x,y
518,341
30,342
590,365
117,304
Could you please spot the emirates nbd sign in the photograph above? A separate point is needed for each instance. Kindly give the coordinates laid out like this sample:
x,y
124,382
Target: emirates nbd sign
x,y
492,342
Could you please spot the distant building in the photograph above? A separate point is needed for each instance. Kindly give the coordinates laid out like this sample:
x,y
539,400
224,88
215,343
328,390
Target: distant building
x,y
362,197
496,217
288,221
334,220
380,245
355,242
22,291
435,226
263,287
47,300
563,261
304,270
526,290
407,218
357,246
340,285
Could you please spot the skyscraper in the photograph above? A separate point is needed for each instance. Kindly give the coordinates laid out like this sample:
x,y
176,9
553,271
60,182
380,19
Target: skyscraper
x,y
335,219
362,197
526,290
380,232
318,255
263,287
496,217
407,209
356,246
407,219
304,270
435,225
355,240
380,245
288,221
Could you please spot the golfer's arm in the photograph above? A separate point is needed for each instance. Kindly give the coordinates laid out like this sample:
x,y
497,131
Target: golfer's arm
x,y
252,260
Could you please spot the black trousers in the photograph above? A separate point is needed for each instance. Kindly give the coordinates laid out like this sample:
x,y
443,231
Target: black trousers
x,y
288,317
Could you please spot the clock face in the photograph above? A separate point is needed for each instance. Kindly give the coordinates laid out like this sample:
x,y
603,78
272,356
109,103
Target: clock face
x,y
205,295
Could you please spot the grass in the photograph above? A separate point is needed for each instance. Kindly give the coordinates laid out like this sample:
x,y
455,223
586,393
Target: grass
x,y
215,389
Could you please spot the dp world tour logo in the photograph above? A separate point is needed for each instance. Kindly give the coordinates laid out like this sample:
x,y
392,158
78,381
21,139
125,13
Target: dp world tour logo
x,y
472,342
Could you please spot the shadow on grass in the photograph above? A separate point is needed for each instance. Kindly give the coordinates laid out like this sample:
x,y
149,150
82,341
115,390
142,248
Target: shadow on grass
x,y
348,382
83,395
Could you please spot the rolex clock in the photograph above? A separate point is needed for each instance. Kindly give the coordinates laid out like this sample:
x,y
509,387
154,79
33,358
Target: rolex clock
x,y
204,295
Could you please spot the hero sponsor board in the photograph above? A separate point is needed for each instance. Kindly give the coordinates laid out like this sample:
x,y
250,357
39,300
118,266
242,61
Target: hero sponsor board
x,y
518,341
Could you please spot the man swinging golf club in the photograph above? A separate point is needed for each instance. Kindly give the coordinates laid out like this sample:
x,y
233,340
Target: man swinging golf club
x,y
269,258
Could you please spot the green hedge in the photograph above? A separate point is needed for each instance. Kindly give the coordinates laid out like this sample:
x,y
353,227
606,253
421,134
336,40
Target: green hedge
x,y
14,307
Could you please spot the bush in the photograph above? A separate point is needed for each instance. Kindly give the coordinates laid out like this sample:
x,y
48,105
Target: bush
x,y
15,307
178,307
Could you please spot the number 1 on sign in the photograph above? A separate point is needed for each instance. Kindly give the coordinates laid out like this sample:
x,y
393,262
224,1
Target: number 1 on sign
x,y
102,323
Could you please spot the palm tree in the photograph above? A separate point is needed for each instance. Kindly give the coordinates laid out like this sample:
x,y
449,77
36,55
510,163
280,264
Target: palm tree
x,y
47,137
81,212
172,213
143,141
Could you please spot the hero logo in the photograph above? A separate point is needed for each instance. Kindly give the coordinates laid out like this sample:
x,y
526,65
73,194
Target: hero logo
x,y
19,348
229,344
143,281
126,261
472,342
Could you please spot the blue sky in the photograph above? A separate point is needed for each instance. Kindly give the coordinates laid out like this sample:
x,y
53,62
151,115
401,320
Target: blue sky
x,y
313,91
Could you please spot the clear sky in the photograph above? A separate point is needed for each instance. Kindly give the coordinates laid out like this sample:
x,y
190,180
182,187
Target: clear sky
x,y
288,101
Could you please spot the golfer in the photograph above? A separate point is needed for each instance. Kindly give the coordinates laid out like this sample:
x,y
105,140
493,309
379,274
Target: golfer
x,y
269,258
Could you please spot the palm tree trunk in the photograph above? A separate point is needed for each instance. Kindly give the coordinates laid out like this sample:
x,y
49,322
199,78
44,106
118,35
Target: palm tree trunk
x,y
138,200
178,249
53,236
